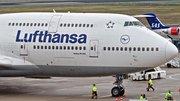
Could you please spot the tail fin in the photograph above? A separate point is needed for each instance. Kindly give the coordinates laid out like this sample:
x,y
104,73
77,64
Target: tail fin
x,y
154,22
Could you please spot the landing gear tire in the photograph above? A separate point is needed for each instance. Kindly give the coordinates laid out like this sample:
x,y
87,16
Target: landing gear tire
x,y
168,65
117,91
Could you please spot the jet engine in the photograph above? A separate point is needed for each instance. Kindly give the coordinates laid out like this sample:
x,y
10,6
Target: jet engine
x,y
172,31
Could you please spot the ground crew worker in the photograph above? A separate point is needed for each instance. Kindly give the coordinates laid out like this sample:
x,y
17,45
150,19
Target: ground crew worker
x,y
141,98
94,92
150,84
168,96
144,97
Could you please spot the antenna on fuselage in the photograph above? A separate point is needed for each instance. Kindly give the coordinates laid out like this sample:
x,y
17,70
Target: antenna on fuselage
x,y
54,11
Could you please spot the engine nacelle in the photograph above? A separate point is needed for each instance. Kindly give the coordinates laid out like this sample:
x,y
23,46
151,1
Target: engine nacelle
x,y
172,31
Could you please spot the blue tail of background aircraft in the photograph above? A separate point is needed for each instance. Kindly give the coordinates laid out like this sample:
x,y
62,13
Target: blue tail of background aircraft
x,y
154,22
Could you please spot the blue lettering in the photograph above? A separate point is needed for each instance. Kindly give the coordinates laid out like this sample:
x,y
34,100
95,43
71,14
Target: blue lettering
x,y
40,36
54,38
35,34
82,39
26,39
73,38
62,38
45,36
17,37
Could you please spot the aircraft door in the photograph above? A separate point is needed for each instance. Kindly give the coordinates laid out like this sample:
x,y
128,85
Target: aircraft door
x,y
93,51
23,49
53,25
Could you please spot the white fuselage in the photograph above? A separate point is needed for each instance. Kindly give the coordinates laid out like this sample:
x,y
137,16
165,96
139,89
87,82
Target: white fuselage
x,y
78,45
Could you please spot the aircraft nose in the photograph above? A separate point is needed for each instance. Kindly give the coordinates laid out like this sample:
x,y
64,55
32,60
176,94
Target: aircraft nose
x,y
171,51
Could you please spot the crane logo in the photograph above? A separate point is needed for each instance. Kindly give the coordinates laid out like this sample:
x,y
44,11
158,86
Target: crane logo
x,y
125,39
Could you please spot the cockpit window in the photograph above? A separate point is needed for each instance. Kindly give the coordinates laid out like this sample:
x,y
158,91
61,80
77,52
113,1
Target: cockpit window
x,y
133,23
130,24
126,23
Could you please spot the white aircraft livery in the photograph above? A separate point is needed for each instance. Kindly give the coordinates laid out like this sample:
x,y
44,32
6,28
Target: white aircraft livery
x,y
79,45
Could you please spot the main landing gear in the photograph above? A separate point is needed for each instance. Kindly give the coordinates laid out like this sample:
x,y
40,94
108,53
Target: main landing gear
x,y
119,89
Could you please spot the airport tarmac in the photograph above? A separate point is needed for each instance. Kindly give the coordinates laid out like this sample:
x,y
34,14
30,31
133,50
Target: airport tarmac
x,y
79,89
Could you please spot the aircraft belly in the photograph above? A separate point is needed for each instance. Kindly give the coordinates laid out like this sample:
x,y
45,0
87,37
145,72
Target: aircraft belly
x,y
87,71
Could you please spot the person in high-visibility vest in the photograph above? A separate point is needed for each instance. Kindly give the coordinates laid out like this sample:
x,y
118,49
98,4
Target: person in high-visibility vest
x,y
94,92
141,98
150,84
168,96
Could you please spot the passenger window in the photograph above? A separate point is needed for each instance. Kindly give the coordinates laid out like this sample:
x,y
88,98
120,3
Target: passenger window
x,y
45,47
68,25
24,24
152,49
157,49
80,48
34,47
52,47
72,25
84,25
21,46
41,47
68,47
46,24
109,48
64,25
27,24
130,24
49,47
125,48
104,48
38,24
139,49
87,25
64,47
79,25
84,48
12,24
34,24
60,47
91,25
16,24
9,24
143,49
72,47
134,49
20,24
61,25
117,48
76,48
147,49
121,48
37,47
91,48
130,48
126,23
112,48
76,25
57,47
31,24
42,24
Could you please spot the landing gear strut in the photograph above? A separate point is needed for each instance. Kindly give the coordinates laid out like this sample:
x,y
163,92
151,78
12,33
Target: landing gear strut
x,y
119,89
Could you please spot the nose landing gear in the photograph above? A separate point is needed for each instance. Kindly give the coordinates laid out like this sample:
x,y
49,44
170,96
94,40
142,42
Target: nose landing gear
x,y
119,89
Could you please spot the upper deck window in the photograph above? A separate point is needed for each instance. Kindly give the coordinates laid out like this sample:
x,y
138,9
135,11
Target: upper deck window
x,y
133,23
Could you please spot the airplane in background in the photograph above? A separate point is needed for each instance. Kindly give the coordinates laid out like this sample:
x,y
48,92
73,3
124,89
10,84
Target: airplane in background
x,y
159,28
79,45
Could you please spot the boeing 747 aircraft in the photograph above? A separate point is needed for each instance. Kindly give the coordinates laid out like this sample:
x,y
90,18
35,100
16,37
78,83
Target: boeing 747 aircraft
x,y
79,45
